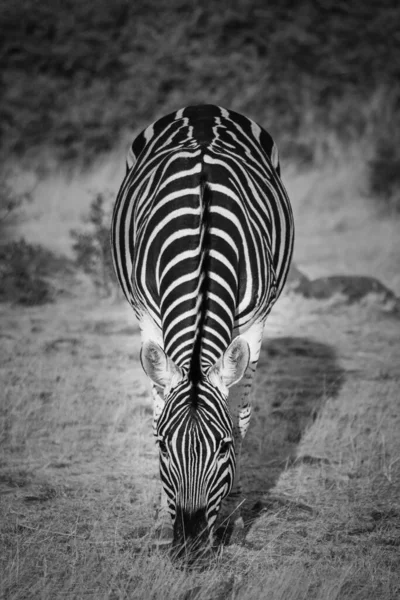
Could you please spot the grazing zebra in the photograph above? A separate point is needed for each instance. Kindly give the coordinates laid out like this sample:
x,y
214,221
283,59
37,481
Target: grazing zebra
x,y
202,238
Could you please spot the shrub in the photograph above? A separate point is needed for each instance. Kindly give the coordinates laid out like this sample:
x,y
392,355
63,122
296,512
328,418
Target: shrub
x,y
92,245
384,175
384,158
10,202
28,273
303,70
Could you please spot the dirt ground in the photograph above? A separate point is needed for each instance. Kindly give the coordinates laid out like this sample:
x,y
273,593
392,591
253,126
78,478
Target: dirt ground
x,y
321,463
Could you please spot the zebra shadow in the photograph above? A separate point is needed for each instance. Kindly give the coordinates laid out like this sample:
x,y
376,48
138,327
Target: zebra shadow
x,y
294,377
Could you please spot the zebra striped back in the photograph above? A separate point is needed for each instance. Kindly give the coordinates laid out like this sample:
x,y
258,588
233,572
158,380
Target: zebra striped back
x,y
202,196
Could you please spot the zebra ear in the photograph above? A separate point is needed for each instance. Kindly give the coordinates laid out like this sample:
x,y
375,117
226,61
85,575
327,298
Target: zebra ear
x,y
232,365
158,366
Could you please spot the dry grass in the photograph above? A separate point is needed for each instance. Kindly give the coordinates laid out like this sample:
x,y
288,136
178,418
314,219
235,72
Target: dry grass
x,y
78,466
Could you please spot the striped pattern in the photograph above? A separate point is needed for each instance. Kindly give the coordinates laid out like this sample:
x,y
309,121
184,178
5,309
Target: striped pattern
x,y
202,239
197,452
202,179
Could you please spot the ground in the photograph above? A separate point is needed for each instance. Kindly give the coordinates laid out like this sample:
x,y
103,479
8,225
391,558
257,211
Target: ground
x,y
321,463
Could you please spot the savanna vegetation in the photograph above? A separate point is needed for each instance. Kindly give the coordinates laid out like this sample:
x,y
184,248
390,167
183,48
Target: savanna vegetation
x,y
78,74
321,464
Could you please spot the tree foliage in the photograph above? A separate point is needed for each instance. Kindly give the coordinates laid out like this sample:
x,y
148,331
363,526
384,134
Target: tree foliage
x,y
78,74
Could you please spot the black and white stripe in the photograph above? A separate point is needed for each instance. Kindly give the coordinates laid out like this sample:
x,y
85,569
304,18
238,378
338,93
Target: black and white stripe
x,y
196,448
202,238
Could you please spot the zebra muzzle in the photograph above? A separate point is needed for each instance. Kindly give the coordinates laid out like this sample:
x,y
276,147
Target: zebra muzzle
x,y
192,540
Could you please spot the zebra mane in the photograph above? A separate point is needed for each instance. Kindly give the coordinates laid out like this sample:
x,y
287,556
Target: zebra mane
x,y
195,370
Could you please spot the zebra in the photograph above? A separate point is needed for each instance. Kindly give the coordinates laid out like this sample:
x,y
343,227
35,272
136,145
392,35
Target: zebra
x,y
202,238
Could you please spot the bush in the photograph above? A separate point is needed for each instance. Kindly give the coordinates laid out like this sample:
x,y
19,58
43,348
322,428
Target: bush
x,y
384,175
99,68
10,202
28,273
384,154
92,245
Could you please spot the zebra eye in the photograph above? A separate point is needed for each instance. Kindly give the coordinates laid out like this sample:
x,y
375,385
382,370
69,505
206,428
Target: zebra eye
x,y
163,447
224,447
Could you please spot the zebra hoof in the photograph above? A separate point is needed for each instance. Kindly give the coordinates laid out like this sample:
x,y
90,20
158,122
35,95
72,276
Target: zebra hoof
x,y
163,537
162,545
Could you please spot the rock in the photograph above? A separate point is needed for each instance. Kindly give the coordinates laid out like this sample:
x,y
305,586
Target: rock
x,y
352,288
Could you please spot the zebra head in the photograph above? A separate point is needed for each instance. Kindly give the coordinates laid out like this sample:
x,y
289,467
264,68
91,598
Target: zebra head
x,y
195,438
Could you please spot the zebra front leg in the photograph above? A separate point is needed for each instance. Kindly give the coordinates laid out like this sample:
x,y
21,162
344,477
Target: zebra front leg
x,y
240,409
163,521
